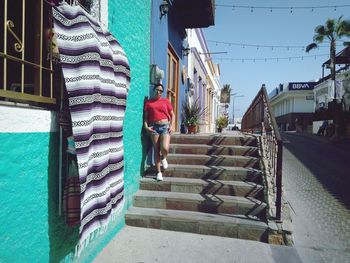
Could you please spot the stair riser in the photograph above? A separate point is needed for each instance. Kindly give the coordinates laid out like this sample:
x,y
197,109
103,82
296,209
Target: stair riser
x,y
231,162
214,175
204,228
214,150
197,206
214,140
204,189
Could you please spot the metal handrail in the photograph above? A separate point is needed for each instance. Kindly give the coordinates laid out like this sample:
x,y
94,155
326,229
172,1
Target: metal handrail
x,y
259,118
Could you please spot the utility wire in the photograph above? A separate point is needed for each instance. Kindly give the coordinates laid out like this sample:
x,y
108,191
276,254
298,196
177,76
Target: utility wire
x,y
269,58
291,8
243,45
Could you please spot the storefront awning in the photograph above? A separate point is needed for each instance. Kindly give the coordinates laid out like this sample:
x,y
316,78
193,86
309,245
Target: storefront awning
x,y
343,57
195,13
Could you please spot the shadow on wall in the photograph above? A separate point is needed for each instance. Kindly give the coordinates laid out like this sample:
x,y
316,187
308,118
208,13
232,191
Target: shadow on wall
x,y
146,145
62,239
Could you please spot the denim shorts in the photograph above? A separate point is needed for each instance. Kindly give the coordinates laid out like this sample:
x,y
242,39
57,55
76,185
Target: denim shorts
x,y
160,129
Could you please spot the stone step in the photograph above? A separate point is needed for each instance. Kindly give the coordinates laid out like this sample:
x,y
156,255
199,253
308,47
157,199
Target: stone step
x,y
214,139
199,202
214,149
210,172
200,223
214,160
201,186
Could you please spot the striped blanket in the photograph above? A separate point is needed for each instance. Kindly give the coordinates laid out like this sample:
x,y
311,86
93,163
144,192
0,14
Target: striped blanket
x,y
97,79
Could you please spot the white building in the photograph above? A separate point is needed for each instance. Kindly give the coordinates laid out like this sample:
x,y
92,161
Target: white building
x,y
293,105
203,77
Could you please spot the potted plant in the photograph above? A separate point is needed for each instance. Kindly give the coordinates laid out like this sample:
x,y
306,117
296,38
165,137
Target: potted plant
x,y
221,123
192,113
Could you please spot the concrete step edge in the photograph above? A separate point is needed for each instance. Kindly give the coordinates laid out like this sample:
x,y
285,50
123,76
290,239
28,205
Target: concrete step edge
x,y
199,197
197,156
212,145
197,216
196,181
232,226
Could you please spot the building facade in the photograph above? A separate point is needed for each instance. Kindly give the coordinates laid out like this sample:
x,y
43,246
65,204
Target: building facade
x,y
203,78
293,105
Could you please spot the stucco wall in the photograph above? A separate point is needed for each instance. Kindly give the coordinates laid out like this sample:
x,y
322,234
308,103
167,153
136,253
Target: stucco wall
x,y
129,22
27,155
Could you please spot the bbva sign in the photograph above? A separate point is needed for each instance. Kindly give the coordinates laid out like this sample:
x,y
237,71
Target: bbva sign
x,y
301,85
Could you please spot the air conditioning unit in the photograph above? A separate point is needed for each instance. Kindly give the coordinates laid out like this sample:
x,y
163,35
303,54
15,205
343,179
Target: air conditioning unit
x,y
156,74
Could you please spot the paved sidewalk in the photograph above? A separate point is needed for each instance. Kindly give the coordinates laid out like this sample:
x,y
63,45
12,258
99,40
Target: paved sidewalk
x,y
136,245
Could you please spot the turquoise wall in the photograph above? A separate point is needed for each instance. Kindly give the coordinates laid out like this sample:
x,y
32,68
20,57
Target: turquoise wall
x,y
129,22
25,161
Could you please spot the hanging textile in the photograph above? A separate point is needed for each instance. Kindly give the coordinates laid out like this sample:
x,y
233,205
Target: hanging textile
x,y
97,79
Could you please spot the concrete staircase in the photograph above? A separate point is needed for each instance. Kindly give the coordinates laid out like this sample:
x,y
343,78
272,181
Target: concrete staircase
x,y
213,186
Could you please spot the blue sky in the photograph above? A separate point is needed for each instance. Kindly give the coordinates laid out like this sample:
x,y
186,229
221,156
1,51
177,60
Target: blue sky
x,y
263,27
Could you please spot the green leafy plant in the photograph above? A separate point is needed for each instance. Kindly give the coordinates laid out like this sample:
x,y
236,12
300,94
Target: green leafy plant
x,y
221,122
192,112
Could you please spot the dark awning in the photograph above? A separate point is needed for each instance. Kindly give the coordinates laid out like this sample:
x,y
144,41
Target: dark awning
x,y
195,13
343,57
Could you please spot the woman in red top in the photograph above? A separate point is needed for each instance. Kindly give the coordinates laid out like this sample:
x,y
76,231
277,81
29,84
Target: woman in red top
x,y
159,120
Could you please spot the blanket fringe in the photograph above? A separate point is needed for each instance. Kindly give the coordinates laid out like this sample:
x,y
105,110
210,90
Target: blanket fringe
x,y
88,238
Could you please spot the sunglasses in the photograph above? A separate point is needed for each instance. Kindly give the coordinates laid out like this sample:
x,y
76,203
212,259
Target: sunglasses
x,y
159,90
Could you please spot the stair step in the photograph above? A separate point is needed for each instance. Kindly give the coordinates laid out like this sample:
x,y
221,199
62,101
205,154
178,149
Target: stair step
x,y
196,222
200,186
199,202
214,160
213,139
213,149
210,172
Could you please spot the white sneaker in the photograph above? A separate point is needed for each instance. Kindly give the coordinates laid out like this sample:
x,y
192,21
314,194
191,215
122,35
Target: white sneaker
x,y
164,163
159,176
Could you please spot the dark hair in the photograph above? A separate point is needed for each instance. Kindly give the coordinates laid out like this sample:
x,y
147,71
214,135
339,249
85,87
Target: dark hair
x,y
158,85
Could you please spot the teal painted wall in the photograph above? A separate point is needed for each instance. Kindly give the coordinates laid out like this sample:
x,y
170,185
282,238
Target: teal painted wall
x,y
25,161
129,21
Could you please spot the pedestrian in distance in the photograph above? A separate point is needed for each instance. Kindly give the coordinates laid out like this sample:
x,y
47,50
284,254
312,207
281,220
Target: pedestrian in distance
x,y
159,122
323,130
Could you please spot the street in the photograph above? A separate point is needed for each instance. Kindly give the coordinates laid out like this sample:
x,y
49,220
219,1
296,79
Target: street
x,y
316,178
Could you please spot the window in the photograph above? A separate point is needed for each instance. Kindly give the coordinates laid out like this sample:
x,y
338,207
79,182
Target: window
x,y
26,69
28,73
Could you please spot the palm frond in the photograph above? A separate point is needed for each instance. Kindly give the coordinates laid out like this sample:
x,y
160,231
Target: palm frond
x,y
320,30
318,38
330,26
310,47
227,88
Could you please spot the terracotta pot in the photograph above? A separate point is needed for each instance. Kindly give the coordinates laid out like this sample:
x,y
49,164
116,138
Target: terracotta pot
x,y
191,129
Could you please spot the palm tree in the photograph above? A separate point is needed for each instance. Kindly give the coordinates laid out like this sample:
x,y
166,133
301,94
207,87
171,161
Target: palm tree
x,y
333,30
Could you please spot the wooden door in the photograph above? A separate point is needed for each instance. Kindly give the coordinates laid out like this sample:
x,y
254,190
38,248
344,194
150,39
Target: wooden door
x,y
172,84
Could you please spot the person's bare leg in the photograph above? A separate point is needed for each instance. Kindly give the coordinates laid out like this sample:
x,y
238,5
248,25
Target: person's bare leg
x,y
156,143
164,145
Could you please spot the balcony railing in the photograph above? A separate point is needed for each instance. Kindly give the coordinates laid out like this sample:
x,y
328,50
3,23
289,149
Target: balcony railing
x,y
260,119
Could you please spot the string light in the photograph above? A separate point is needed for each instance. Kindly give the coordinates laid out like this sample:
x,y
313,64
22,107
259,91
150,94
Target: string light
x,y
291,8
257,46
270,58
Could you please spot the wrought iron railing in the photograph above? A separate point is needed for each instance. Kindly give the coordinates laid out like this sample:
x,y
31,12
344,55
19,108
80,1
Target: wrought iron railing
x,y
260,119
